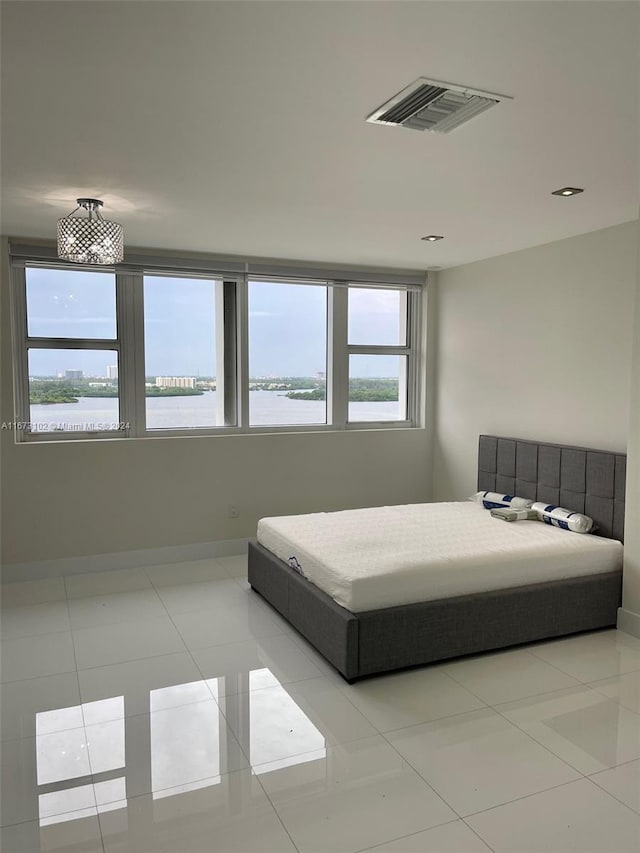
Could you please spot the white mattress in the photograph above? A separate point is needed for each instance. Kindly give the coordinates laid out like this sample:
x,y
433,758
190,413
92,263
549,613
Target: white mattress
x,y
367,559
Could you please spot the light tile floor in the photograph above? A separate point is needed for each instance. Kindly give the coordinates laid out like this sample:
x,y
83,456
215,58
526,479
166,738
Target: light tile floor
x,y
169,709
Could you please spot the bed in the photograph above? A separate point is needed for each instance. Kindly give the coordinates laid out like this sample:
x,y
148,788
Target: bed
x,y
366,637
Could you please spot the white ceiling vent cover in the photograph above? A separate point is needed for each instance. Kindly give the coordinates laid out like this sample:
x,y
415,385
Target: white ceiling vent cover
x,y
434,105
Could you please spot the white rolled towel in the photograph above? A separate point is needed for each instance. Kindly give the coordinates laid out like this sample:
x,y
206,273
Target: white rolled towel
x,y
566,519
495,500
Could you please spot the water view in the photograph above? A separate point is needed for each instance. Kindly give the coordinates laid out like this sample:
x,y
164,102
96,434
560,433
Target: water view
x,y
267,408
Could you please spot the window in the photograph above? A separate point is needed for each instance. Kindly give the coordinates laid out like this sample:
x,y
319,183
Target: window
x,y
377,388
180,353
72,351
377,316
287,353
174,347
73,390
379,354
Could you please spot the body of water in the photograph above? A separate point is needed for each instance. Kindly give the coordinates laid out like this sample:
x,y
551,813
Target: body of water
x,y
266,408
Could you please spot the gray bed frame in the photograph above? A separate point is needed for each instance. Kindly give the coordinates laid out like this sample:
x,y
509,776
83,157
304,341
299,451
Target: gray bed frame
x,y
376,641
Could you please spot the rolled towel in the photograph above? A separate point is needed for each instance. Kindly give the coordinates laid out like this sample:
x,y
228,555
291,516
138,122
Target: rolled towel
x,y
494,500
566,519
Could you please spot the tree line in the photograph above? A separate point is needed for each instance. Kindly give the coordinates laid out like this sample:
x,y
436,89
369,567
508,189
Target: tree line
x,y
360,391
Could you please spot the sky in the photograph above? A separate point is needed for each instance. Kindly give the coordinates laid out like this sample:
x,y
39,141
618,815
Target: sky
x,y
287,325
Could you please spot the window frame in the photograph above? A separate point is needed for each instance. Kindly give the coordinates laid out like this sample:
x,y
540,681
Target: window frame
x,y
244,381
22,342
231,357
408,350
130,344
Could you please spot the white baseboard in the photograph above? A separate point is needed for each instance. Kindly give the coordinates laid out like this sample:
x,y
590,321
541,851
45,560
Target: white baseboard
x,y
629,622
121,560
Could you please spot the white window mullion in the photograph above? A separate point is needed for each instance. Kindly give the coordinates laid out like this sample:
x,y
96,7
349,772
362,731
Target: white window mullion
x,y
131,379
242,332
226,353
135,344
21,408
338,367
414,322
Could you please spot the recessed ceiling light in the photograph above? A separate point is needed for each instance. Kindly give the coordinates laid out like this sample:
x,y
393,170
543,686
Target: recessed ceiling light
x,y
431,238
567,191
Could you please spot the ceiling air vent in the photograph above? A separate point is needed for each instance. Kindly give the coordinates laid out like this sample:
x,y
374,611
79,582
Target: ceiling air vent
x,y
433,105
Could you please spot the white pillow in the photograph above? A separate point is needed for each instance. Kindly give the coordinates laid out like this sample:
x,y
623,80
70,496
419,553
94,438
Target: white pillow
x,y
563,518
493,500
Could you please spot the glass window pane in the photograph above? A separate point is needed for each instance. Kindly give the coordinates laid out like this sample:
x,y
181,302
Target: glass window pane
x,y
377,388
377,317
73,390
287,354
65,303
180,353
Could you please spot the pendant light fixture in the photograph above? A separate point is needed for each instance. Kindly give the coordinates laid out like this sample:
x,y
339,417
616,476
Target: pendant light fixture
x,y
89,239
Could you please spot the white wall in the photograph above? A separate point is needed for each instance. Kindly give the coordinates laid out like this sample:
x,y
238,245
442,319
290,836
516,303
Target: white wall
x,y
72,499
629,618
534,344
69,499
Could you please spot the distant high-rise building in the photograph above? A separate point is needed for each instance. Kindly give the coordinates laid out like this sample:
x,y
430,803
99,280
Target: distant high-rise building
x,y
176,381
73,374
112,371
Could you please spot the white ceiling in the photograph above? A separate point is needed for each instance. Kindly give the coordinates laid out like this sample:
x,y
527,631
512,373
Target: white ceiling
x,y
239,127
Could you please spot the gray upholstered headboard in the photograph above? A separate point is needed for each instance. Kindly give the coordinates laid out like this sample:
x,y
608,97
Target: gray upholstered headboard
x,y
577,478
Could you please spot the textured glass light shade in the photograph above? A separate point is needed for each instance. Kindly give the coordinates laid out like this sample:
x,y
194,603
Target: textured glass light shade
x,y
90,239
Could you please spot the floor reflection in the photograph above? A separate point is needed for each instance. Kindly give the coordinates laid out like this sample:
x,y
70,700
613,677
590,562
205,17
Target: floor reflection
x,y
186,744
280,731
604,734
68,804
185,747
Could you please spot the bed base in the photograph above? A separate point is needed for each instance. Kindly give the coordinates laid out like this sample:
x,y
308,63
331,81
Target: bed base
x,y
359,644
377,641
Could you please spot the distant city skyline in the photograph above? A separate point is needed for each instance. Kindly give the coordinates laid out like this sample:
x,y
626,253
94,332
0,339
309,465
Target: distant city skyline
x,y
287,326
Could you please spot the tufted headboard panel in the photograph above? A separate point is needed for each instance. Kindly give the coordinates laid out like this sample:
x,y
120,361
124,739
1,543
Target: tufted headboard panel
x,y
577,478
